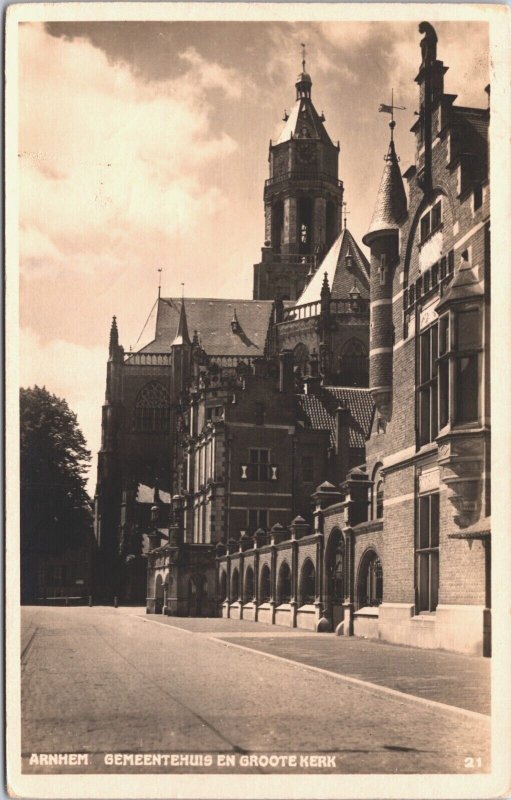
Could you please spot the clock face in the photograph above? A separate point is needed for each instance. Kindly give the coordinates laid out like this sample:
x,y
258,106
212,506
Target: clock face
x,y
306,152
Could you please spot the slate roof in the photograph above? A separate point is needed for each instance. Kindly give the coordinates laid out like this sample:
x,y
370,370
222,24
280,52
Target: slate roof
x,y
145,494
340,279
304,113
317,412
390,206
212,318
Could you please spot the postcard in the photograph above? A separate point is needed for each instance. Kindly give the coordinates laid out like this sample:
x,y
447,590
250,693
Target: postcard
x,y
252,361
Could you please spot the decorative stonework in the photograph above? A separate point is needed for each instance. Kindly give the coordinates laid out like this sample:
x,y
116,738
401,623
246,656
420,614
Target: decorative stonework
x,y
382,398
461,462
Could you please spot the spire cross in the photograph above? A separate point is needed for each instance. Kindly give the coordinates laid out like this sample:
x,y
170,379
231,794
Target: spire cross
x,y
303,56
390,110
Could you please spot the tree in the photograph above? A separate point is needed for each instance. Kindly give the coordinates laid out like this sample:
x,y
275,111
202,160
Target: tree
x,y
55,508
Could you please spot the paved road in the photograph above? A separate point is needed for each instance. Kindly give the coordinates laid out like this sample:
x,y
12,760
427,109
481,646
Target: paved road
x,y
103,680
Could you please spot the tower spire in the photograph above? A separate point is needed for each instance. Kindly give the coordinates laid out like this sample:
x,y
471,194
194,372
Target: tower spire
x,y
182,336
303,46
114,337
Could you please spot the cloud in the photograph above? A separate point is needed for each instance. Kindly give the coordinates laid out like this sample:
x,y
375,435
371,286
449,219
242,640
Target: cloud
x,y
112,169
212,76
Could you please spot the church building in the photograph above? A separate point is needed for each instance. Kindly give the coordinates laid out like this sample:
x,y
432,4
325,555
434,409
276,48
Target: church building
x,y
208,360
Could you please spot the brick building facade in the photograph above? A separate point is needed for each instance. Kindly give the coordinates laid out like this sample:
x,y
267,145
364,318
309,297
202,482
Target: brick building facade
x,y
419,568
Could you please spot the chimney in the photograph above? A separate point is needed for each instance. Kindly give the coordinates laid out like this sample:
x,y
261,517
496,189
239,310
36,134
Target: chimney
x,y
286,377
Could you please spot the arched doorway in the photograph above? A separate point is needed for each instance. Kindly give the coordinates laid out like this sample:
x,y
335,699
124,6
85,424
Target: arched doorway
x,y
159,595
370,580
198,596
335,589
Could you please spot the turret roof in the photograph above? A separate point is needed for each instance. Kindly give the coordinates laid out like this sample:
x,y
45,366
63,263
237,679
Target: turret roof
x,y
340,278
390,205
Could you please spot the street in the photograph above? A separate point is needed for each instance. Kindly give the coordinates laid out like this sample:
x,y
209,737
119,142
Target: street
x,y
108,681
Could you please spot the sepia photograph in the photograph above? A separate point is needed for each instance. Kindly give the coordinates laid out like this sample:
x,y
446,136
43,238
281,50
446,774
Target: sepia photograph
x,y
249,397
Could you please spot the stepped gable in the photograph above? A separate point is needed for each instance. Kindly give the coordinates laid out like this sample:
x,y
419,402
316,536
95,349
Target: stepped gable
x,y
224,326
318,412
341,278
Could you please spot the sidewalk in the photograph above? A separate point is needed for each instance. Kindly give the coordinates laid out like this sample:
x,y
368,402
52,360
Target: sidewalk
x,y
444,677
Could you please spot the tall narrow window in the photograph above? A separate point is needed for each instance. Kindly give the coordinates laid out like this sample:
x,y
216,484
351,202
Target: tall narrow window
x,y
467,365
427,552
443,370
427,410
152,408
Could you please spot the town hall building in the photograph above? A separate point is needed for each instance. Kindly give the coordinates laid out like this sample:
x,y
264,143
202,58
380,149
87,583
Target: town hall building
x,y
325,446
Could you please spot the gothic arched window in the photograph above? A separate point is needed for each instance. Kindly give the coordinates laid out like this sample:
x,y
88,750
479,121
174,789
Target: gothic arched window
x,y
265,585
152,408
307,583
284,584
354,364
370,581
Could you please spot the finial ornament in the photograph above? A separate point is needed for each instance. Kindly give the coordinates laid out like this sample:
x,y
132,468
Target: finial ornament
x,y
345,213
390,110
303,56
182,291
160,270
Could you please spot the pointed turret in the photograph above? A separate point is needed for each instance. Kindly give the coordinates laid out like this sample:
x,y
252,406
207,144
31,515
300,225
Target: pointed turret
x,y
383,239
390,206
182,336
181,352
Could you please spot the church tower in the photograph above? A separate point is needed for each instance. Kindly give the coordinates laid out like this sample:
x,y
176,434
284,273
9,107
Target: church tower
x,y
302,200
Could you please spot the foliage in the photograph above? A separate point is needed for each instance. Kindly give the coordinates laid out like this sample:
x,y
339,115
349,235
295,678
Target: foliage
x,y
55,507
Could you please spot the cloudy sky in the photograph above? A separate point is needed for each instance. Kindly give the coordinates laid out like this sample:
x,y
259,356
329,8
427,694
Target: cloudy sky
x,y
144,145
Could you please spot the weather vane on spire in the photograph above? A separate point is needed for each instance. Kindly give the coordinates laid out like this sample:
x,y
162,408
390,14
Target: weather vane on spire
x,y
160,270
303,57
390,110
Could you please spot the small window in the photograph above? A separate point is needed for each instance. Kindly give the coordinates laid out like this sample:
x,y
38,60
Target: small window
x,y
425,226
478,197
436,215
259,465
